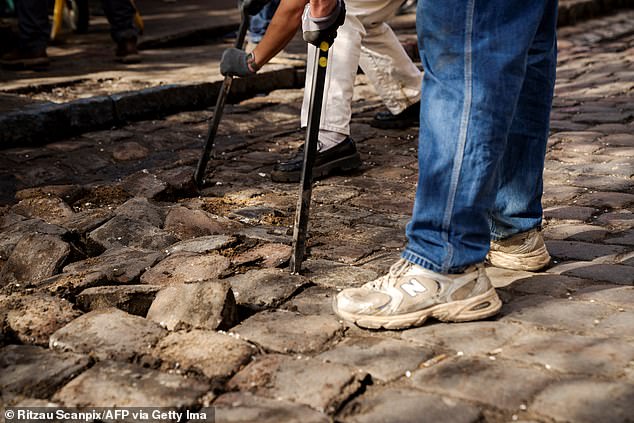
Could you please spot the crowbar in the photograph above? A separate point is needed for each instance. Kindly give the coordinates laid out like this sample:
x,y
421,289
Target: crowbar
x,y
199,174
310,152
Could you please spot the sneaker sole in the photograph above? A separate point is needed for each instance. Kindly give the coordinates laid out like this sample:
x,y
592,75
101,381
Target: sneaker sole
x,y
475,308
343,164
535,260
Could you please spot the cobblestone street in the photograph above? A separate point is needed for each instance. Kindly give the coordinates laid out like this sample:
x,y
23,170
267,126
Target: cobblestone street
x,y
113,268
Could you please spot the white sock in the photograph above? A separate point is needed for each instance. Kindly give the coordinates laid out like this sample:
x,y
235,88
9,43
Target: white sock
x,y
329,139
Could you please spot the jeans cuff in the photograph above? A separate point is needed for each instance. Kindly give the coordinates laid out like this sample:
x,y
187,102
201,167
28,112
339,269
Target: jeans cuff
x,y
421,261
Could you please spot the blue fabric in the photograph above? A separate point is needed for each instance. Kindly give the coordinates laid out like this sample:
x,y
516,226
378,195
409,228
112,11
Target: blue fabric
x,y
260,22
486,99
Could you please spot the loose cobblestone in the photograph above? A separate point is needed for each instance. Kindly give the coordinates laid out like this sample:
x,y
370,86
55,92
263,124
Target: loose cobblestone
x,y
133,299
204,305
263,289
214,355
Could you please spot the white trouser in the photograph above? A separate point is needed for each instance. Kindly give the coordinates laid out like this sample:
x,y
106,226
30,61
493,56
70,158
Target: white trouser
x,y
364,40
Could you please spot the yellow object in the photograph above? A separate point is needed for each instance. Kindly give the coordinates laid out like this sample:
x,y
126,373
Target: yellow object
x,y
323,62
138,20
324,46
58,17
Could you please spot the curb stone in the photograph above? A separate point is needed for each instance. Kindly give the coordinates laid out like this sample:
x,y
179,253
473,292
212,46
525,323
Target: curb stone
x,y
38,124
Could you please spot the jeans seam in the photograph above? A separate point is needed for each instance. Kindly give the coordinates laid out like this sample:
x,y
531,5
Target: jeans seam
x,y
462,137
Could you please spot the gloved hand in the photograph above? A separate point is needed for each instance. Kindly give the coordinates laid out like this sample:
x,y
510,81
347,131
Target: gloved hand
x,y
252,7
236,62
317,30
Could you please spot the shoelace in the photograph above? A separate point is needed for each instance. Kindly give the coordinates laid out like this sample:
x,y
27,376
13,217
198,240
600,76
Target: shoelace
x,y
396,270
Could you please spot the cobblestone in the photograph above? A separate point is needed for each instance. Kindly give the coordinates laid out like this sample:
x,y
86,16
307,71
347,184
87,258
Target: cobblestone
x,y
108,385
244,407
133,299
288,332
113,267
586,400
34,318
472,374
405,404
35,257
322,386
212,354
184,267
108,334
262,289
384,359
37,372
204,305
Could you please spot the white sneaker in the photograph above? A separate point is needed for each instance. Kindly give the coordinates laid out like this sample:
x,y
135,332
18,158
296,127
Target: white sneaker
x,y
409,294
524,251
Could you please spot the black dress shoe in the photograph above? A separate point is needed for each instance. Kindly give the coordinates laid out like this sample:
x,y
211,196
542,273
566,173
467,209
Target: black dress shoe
x,y
407,118
342,157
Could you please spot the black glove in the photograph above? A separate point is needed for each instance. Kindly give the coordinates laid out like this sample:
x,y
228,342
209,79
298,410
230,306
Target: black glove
x,y
252,7
317,30
236,62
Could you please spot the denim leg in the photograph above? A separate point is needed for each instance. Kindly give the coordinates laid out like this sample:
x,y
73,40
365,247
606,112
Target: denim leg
x,y
33,24
120,14
518,205
475,55
260,22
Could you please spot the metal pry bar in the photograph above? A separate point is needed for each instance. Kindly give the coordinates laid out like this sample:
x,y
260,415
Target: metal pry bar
x,y
210,143
310,152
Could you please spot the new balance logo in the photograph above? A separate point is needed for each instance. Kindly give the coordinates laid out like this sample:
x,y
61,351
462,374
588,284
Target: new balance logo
x,y
413,287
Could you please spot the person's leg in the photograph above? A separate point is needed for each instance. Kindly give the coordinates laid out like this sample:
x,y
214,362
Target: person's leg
x,y
475,56
518,206
259,22
343,61
337,151
517,215
384,61
33,25
34,32
120,14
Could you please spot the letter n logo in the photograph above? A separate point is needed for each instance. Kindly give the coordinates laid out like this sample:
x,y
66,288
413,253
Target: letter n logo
x,y
413,287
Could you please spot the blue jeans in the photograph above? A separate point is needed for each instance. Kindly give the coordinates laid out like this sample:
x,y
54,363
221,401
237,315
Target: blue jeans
x,y
486,99
260,22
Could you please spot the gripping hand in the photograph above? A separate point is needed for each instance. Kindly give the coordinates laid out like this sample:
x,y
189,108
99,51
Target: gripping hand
x,y
236,62
317,30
